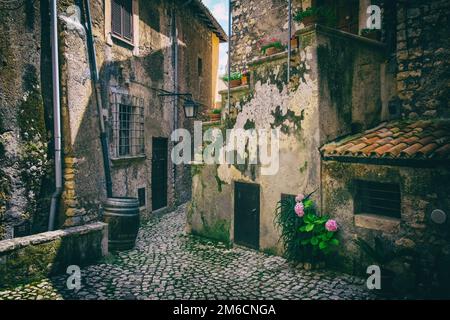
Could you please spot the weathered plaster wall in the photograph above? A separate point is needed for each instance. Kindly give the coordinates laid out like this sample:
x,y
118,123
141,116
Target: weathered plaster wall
x,y
422,191
25,106
270,103
423,55
137,71
310,111
350,71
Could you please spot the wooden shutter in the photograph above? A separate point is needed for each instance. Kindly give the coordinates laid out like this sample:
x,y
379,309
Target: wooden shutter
x,y
116,17
127,20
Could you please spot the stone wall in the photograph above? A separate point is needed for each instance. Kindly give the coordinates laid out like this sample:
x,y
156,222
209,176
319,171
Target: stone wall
x,y
139,71
423,55
422,191
318,105
254,21
32,258
25,118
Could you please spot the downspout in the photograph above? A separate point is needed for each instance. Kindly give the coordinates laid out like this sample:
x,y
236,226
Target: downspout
x,y
289,40
174,36
98,100
229,55
56,117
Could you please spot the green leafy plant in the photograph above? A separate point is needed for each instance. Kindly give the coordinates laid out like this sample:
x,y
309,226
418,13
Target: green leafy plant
x,y
233,76
316,233
305,235
216,111
324,15
272,43
380,253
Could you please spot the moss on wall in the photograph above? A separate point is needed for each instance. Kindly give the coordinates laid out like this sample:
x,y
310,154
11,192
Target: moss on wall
x,y
336,64
219,230
29,264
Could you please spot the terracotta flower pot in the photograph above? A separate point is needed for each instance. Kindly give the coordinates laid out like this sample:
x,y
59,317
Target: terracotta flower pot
x,y
244,81
294,43
272,50
214,116
235,83
310,20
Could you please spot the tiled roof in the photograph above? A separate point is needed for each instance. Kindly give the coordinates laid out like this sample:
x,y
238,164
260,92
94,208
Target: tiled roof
x,y
396,140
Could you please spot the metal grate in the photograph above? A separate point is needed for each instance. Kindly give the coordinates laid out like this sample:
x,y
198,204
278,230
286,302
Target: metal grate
x,y
378,198
127,124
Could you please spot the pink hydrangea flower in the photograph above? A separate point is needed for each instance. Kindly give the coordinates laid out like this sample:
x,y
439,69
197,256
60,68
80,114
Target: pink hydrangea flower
x,y
299,197
299,209
331,225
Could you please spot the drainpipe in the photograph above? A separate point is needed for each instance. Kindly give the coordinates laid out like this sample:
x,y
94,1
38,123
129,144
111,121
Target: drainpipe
x,y
289,40
174,40
229,55
98,99
56,117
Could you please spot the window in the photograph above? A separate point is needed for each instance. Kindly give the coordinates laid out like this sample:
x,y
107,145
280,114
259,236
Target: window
x,y
141,197
199,66
377,198
122,19
127,125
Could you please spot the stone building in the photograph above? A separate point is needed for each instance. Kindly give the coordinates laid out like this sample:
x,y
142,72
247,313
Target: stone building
x,y
143,49
355,117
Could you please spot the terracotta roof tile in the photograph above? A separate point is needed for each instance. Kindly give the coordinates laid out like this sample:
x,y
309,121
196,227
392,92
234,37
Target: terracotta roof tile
x,y
420,139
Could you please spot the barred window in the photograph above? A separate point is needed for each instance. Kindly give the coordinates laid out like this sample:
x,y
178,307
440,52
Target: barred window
x,y
378,198
127,124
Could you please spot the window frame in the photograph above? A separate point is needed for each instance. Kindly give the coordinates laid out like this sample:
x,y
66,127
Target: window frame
x,y
371,197
121,35
131,109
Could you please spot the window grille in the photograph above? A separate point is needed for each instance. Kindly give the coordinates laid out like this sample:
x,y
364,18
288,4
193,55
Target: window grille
x,y
127,124
378,198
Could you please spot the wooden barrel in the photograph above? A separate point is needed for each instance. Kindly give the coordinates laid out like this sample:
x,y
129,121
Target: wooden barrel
x,y
122,217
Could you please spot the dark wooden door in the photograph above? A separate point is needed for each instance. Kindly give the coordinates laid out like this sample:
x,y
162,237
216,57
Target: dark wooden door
x,y
159,173
246,214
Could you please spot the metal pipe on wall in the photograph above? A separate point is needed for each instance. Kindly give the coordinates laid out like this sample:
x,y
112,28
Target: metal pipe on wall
x,y
229,53
56,116
289,40
98,100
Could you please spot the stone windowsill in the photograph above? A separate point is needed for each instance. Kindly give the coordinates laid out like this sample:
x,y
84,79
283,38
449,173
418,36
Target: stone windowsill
x,y
273,57
376,222
126,160
244,87
340,34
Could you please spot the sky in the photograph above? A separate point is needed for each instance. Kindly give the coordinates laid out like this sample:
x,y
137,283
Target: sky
x,y
219,9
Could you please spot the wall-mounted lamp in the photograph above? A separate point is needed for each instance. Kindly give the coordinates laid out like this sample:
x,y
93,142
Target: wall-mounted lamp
x,y
190,109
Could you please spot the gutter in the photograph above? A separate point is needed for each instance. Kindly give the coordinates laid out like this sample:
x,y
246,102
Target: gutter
x,y
56,117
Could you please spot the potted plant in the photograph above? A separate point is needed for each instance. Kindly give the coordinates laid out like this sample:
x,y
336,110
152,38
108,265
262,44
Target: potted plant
x,y
294,42
245,77
374,34
307,17
215,114
234,80
272,47
313,15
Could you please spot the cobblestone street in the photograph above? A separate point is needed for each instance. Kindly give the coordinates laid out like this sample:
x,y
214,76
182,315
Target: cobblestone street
x,y
166,264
